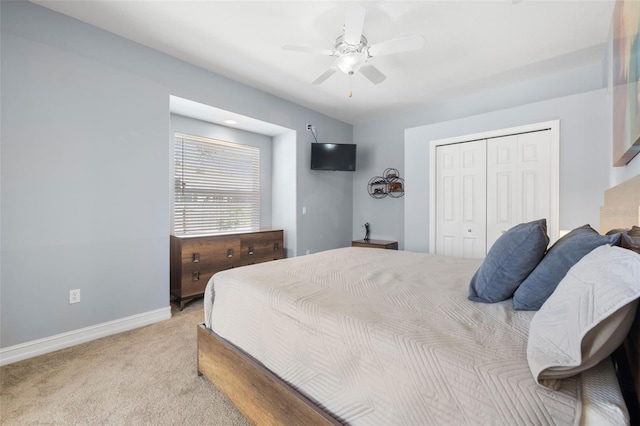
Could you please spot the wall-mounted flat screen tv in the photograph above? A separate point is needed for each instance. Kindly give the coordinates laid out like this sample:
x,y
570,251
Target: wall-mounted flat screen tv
x,y
333,156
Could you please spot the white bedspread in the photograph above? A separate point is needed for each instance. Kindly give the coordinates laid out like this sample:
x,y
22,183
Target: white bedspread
x,y
382,337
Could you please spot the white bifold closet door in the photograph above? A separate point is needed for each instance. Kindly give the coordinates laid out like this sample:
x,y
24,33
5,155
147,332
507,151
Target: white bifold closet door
x,y
461,199
518,181
485,187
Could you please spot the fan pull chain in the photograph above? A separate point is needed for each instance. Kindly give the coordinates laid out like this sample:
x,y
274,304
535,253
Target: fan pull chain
x,y
350,90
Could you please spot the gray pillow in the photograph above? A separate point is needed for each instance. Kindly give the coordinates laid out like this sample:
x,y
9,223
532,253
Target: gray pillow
x,y
511,258
631,243
565,253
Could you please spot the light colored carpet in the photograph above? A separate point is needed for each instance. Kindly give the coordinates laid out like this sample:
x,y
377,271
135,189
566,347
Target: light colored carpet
x,y
146,376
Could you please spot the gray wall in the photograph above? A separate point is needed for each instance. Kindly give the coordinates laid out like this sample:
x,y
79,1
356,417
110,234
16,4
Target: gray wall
x,y
85,171
381,143
584,170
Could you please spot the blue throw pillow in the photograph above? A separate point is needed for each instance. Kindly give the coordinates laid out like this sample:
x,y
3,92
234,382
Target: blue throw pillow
x,y
565,253
511,258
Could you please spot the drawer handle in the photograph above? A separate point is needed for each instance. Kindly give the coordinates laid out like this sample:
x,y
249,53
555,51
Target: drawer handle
x,y
230,253
196,276
250,250
276,246
196,257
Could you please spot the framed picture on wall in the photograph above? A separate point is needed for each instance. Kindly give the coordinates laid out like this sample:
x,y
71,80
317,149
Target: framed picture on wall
x,y
626,73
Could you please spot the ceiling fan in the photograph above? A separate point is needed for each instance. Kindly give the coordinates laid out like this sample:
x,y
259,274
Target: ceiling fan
x,y
352,50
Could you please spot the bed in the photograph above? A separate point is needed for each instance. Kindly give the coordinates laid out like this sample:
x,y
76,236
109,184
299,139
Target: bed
x,y
371,336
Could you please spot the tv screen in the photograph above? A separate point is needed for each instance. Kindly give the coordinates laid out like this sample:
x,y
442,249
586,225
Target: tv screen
x,y
333,156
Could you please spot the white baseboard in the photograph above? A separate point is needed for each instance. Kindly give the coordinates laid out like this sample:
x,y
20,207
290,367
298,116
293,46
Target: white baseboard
x,y
71,338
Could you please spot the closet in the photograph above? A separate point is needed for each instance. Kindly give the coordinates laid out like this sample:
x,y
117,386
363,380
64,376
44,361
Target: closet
x,y
484,186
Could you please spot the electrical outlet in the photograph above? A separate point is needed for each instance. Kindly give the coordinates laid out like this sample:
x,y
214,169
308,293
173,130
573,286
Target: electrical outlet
x,y
308,251
74,296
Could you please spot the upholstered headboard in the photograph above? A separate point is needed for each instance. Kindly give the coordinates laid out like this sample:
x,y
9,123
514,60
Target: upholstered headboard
x,y
621,210
621,207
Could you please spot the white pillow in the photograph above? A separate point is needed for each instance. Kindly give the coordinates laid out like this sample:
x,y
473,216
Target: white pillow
x,y
587,317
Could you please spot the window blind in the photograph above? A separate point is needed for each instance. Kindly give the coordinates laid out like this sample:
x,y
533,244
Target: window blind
x,y
217,186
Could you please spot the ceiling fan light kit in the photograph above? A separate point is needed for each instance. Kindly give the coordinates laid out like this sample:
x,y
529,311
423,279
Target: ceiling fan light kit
x,y
353,52
350,63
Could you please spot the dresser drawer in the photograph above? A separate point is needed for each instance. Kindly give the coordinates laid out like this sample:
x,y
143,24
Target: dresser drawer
x,y
209,254
194,283
261,247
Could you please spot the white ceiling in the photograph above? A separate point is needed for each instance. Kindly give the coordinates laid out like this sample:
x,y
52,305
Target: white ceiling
x,y
470,45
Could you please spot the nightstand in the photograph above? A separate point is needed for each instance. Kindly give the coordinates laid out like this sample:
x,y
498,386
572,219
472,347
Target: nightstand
x,y
383,244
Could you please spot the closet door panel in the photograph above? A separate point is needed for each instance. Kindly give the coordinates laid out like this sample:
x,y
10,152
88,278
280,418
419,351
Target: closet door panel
x,y
534,176
461,199
447,200
504,203
449,245
502,176
473,198
518,181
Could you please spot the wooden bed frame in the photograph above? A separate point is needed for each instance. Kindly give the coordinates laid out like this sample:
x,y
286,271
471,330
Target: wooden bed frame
x,y
260,395
265,399
627,362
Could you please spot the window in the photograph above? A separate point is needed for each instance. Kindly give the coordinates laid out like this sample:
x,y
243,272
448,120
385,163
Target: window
x,y
217,186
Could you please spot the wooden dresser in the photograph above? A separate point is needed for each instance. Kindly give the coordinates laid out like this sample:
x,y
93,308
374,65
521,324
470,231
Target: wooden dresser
x,y
194,260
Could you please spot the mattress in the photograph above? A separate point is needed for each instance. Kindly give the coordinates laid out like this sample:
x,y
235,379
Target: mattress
x,y
389,337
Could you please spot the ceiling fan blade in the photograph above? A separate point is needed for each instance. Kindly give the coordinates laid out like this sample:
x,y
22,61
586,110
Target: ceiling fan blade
x,y
372,73
317,51
397,45
325,75
353,24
